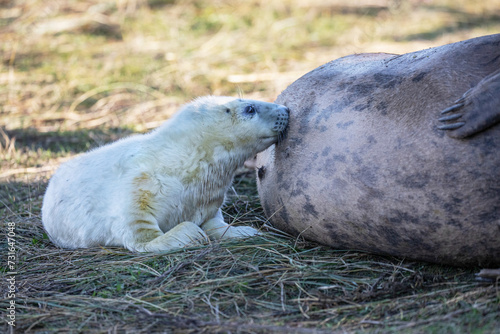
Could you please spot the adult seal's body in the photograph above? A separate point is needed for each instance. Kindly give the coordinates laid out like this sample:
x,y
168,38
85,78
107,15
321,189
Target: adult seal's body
x,y
380,156
162,190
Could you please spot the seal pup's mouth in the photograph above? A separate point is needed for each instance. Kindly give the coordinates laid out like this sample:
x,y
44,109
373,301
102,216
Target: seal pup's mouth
x,y
281,125
282,121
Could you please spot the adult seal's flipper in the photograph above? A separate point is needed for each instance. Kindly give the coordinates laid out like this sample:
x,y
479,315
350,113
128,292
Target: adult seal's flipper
x,y
477,110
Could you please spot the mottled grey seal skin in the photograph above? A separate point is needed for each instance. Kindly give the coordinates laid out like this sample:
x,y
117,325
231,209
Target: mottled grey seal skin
x,y
370,164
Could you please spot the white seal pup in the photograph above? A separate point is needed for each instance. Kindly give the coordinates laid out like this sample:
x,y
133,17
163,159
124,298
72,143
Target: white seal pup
x,y
162,190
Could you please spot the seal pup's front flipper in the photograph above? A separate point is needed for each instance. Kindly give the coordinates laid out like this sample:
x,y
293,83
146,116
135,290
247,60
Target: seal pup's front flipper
x,y
216,228
477,110
147,237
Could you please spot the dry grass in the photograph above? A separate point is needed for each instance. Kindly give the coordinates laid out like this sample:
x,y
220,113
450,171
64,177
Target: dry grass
x,y
272,283
77,74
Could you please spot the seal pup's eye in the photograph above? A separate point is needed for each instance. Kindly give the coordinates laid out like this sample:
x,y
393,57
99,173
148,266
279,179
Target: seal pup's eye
x,y
228,110
250,110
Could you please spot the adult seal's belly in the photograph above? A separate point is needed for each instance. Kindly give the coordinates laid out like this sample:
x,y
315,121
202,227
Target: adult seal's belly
x,y
371,163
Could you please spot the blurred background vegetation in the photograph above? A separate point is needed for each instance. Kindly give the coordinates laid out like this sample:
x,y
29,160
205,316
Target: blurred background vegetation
x,y
77,74
130,63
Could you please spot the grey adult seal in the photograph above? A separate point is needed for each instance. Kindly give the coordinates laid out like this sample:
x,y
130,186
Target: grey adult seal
x,y
371,163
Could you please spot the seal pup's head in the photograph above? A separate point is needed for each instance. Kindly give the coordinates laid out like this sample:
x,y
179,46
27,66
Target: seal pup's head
x,y
241,125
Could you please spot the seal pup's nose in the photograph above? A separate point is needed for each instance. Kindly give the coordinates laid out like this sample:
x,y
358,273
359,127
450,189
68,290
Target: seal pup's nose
x,y
282,120
286,109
